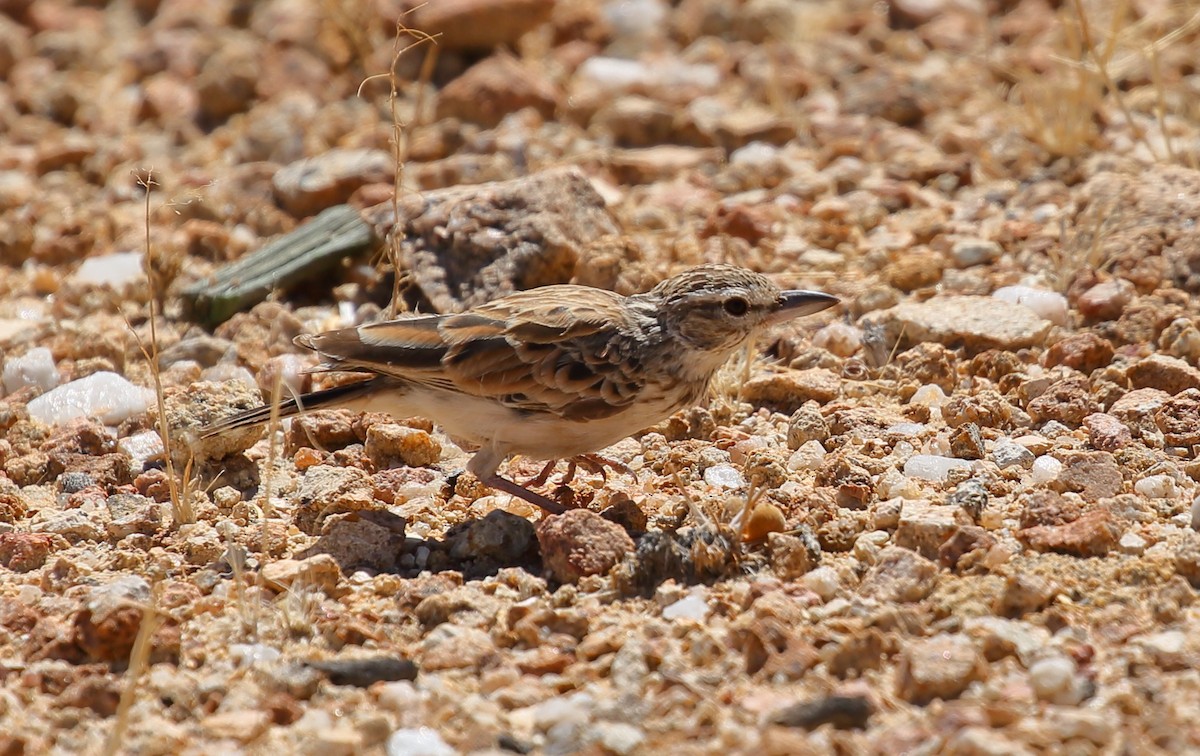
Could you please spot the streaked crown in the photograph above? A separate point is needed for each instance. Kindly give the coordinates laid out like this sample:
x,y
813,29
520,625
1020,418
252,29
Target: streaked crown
x,y
716,308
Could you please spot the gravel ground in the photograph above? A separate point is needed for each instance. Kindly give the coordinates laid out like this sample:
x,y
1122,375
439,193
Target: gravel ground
x,y
955,515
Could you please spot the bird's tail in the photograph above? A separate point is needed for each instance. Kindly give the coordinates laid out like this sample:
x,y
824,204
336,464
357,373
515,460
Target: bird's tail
x,y
331,397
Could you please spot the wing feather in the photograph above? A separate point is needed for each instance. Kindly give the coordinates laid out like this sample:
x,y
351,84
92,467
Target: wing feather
x,y
551,350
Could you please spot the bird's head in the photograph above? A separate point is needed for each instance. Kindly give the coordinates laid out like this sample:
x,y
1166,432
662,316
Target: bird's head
x,y
716,308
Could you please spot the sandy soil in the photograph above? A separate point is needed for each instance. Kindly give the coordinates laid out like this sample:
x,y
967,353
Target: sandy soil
x,y
956,514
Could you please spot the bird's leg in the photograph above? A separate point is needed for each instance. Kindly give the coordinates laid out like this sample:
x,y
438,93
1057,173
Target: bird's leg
x,y
543,476
595,463
483,466
569,475
507,486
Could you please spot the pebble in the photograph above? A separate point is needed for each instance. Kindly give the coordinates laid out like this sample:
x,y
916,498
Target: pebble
x,y
243,725
618,737
939,667
365,672
969,252
421,741
1095,533
1093,475
1054,679
932,467
1106,432
1001,637
72,524
724,476
1169,648
104,395
843,712
899,575
1045,469
823,581
790,389
806,424
929,395
1047,304
636,19
1011,454
692,606
1106,300
1132,543
581,543
495,87
115,270
310,185
794,555
1084,352
481,26
575,709
839,338
1156,487
978,740
368,539
924,527
1179,419
35,368
976,323
499,537
616,75
389,444
808,457
250,654
1062,725
141,448
319,571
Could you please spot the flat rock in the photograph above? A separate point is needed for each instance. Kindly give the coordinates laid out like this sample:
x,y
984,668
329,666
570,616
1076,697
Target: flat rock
x,y
940,667
320,571
649,164
924,527
1093,475
1094,534
975,323
479,24
311,185
788,390
1159,371
467,245
495,87
900,575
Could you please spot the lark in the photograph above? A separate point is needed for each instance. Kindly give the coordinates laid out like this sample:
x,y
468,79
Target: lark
x,y
552,373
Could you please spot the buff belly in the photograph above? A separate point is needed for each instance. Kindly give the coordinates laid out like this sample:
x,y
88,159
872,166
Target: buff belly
x,y
487,423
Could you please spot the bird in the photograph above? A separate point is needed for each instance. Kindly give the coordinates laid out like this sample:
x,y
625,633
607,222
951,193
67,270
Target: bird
x,y
550,373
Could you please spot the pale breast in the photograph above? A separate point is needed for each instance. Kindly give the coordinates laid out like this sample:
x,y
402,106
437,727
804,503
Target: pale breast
x,y
483,421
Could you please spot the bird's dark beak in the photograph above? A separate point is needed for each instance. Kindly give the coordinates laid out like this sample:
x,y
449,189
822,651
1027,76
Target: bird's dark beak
x,y
793,304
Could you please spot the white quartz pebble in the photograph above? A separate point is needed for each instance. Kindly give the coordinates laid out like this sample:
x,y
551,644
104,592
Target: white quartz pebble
x,y
1048,304
104,395
34,368
1045,469
117,269
931,467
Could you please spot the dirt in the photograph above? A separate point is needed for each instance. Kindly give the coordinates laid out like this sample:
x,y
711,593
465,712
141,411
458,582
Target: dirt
x,y
955,515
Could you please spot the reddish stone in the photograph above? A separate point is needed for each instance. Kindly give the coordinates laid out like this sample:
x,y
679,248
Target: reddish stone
x,y
1093,534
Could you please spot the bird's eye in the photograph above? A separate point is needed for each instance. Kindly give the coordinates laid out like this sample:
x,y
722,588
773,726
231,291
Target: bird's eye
x,y
737,306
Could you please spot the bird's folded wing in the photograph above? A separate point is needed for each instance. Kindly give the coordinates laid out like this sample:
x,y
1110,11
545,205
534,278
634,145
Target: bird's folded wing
x,y
540,353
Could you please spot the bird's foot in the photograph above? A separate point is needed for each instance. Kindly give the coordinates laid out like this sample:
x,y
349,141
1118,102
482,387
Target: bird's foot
x,y
595,463
541,478
507,486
